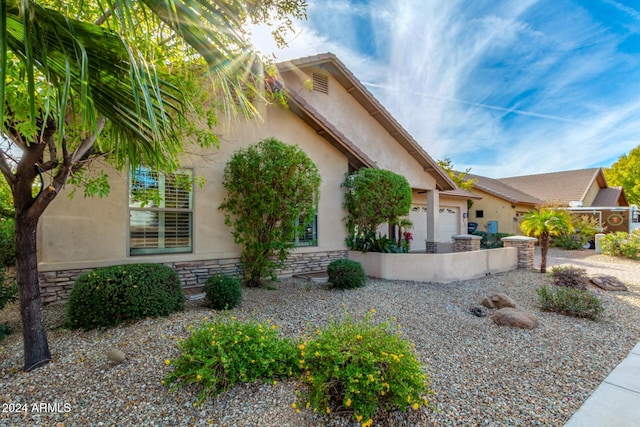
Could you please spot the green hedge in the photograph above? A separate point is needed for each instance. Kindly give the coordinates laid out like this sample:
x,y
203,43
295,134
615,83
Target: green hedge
x,y
346,274
223,292
491,241
107,296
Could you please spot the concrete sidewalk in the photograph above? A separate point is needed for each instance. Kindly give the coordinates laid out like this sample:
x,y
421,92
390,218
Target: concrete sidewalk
x,y
616,402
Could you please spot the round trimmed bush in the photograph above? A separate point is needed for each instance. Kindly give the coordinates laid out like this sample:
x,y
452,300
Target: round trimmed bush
x,y
346,274
108,296
223,292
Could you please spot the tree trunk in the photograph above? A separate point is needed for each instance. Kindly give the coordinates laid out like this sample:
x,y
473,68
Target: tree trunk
x,y
36,347
544,248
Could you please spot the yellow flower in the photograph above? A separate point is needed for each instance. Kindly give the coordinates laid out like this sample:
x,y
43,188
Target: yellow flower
x,y
308,404
317,353
367,423
198,377
415,406
213,342
382,393
373,310
359,337
301,346
294,405
348,402
274,382
358,418
328,410
297,411
167,362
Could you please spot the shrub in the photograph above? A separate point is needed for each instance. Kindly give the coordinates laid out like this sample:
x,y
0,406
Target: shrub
x,y
373,197
223,292
346,274
7,242
272,194
360,367
218,355
491,240
7,292
7,295
569,242
570,302
622,244
570,277
108,296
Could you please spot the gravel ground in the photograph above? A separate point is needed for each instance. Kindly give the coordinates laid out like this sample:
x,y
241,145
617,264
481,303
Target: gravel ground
x,y
483,374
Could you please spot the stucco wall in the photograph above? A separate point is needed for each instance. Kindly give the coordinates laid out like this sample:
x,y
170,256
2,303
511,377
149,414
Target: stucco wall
x,y
592,193
441,268
93,232
497,209
359,126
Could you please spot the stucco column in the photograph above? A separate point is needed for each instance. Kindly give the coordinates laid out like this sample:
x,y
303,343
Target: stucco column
x,y
433,220
525,246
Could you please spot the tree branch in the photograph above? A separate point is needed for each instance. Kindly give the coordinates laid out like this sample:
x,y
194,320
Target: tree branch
x,y
88,142
6,169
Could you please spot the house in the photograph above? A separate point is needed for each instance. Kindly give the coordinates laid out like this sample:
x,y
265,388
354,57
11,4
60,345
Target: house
x,y
505,201
501,208
338,123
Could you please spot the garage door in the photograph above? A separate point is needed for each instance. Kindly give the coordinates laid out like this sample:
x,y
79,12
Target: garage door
x,y
418,217
448,224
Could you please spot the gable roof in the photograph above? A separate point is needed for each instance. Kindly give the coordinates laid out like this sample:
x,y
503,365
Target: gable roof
x,y
610,196
502,190
330,63
558,187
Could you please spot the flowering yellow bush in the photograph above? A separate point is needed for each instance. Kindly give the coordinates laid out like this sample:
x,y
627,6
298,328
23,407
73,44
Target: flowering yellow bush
x,y
360,367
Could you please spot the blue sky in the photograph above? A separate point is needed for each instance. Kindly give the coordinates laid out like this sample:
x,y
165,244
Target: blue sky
x,y
504,87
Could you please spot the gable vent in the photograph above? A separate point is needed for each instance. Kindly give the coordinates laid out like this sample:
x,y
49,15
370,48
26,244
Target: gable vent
x,y
320,83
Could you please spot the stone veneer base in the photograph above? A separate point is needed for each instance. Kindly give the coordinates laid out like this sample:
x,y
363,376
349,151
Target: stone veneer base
x,y
55,286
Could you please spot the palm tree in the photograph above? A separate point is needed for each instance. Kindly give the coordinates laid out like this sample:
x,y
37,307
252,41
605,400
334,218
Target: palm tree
x,y
66,80
544,224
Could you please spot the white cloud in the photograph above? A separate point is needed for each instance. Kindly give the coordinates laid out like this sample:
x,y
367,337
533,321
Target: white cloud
x,y
504,87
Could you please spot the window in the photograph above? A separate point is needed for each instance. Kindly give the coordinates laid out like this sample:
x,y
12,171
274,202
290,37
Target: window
x,y
309,236
160,212
480,214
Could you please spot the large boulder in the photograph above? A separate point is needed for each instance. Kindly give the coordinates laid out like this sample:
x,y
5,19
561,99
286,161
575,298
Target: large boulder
x,y
608,283
498,301
514,318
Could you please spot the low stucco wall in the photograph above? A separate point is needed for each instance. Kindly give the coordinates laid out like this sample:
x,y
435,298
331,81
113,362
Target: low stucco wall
x,y
442,268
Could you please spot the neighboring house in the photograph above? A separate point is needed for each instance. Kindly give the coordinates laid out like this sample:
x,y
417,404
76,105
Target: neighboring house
x,y
338,123
501,208
506,200
583,187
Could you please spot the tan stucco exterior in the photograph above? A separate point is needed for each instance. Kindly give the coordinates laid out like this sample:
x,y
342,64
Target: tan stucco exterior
x,y
91,232
442,268
509,215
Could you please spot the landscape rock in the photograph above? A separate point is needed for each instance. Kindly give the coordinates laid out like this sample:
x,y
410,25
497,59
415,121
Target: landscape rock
x,y
514,318
115,355
479,310
498,301
608,283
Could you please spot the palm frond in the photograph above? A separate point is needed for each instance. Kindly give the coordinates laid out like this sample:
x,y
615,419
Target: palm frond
x,y
93,67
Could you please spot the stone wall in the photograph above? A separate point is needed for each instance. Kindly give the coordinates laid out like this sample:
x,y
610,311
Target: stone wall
x,y
56,285
466,243
526,249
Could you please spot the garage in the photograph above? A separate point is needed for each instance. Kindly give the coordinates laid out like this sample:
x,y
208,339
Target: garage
x,y
448,224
